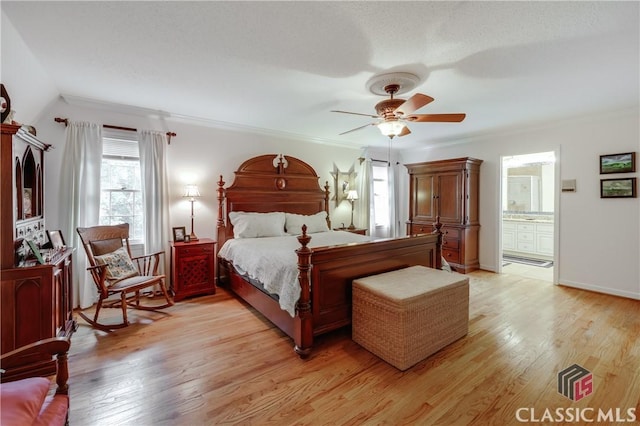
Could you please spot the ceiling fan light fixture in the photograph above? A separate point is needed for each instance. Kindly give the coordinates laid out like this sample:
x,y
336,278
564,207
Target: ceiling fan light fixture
x,y
391,128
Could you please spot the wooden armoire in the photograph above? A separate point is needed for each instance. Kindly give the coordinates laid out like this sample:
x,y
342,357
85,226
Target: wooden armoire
x,y
449,189
36,300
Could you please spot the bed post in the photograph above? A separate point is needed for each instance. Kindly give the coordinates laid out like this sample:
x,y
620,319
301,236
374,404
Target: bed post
x,y
221,228
303,322
326,202
438,260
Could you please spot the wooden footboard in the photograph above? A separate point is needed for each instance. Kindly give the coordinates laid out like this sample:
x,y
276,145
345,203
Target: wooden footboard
x,y
325,280
326,274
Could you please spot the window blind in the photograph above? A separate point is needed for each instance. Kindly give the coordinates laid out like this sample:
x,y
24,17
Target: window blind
x,y
120,148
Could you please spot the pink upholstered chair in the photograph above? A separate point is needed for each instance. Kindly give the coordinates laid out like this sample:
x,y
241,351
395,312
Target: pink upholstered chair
x,y
25,400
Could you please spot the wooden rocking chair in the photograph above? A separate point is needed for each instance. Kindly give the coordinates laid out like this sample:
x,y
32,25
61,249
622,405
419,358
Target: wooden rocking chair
x,y
114,271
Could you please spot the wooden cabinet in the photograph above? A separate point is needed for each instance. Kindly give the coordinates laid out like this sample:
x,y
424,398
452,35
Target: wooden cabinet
x,y
37,304
449,189
193,268
36,300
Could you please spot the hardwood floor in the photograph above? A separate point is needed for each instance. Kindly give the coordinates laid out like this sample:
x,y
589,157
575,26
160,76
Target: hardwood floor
x,y
211,360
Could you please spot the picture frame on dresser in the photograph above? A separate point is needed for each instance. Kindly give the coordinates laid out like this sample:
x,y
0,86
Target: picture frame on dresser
x,y
56,239
618,188
179,233
618,163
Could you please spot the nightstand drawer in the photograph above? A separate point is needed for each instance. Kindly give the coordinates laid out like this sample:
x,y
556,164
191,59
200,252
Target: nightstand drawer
x,y
196,250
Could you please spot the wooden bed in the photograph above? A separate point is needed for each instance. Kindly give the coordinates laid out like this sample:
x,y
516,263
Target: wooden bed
x,y
276,183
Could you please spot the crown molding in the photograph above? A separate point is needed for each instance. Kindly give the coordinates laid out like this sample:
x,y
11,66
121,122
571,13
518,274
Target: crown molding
x,y
199,121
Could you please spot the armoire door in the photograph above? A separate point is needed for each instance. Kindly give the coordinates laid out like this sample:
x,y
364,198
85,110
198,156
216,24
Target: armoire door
x,y
449,197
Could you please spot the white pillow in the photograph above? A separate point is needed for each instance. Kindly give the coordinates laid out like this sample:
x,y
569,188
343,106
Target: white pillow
x,y
315,223
255,225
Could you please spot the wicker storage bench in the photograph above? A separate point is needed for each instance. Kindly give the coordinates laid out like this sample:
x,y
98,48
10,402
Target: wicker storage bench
x,y
406,315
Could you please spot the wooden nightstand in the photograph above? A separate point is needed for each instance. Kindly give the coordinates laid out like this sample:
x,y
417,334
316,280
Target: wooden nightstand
x,y
361,231
193,269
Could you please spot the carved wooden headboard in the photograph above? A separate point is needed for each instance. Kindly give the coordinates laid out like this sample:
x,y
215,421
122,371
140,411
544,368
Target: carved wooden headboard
x,y
270,183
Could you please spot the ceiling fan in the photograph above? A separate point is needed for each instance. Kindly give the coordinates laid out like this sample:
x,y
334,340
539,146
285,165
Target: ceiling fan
x,y
394,114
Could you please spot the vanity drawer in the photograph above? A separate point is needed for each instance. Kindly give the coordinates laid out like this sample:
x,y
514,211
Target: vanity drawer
x,y
525,246
509,226
544,227
526,227
525,236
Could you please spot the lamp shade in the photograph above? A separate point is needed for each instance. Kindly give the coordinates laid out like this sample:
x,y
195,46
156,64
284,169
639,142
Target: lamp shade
x,y
391,127
352,195
191,191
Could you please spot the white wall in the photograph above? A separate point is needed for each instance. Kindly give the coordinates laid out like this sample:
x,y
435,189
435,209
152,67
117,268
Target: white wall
x,y
29,87
197,155
599,239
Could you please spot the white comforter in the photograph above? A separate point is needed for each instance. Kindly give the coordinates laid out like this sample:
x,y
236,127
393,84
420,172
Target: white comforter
x,y
273,261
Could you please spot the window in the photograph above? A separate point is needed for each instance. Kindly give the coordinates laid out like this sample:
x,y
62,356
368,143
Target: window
x,y
120,185
381,195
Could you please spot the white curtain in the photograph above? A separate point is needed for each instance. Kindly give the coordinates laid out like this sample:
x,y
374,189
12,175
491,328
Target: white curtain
x,y
395,217
155,192
80,199
365,212
393,202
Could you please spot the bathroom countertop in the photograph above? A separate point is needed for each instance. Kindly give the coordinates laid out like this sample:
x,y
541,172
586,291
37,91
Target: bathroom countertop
x,y
531,220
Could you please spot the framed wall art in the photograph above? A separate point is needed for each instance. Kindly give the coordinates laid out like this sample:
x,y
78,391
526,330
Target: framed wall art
x,y
618,188
343,183
618,163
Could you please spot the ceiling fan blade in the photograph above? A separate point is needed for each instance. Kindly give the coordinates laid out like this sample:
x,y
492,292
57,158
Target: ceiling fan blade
x,y
356,113
358,128
404,131
446,118
413,103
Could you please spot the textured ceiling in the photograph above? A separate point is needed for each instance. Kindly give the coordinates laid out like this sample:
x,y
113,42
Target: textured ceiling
x,y
282,66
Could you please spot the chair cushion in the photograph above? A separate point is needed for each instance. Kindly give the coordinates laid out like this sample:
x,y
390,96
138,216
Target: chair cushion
x,y
54,411
137,280
100,247
21,400
119,265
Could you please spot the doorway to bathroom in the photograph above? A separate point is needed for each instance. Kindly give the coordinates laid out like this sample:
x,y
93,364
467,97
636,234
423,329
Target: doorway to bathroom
x,y
528,215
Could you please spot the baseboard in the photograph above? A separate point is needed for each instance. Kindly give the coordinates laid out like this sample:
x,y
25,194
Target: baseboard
x,y
598,289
